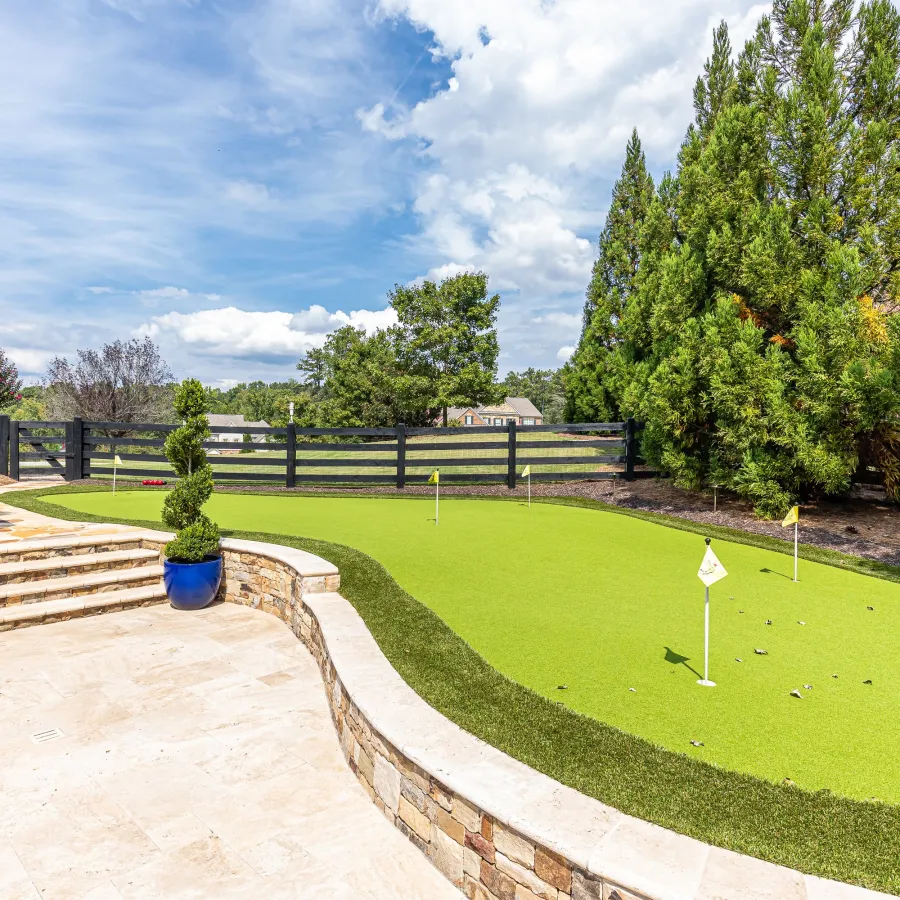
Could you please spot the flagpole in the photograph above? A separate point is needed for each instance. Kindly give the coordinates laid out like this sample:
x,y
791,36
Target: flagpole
x,y
529,488
706,641
437,501
796,536
114,476
705,680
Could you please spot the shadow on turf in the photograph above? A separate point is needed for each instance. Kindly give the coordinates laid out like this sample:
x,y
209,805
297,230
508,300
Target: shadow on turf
x,y
773,572
678,659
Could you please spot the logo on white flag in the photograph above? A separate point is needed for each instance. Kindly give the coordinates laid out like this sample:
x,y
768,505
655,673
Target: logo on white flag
x,y
711,570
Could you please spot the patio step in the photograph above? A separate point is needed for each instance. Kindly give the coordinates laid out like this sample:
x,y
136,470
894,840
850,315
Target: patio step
x,y
69,545
21,615
82,563
73,586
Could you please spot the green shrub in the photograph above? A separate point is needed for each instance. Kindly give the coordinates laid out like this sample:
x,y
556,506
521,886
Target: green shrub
x,y
198,536
195,542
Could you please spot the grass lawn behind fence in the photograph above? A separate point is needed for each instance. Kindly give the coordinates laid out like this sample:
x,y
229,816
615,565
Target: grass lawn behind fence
x,y
102,467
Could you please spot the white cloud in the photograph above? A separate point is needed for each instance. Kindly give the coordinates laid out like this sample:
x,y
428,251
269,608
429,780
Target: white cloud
x,y
564,354
526,137
264,336
247,192
29,361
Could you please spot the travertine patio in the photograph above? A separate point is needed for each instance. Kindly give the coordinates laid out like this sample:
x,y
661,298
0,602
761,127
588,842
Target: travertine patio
x,y
195,758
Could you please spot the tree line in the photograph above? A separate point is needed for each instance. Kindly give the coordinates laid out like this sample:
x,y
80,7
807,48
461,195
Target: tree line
x,y
745,307
441,353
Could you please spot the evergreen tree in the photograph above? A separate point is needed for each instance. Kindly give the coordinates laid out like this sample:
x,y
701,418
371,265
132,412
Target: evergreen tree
x,y
588,396
758,340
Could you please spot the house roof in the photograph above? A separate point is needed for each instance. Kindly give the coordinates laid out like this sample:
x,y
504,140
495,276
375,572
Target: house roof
x,y
232,420
523,406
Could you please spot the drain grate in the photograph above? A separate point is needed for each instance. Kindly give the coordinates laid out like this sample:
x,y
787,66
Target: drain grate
x,y
43,737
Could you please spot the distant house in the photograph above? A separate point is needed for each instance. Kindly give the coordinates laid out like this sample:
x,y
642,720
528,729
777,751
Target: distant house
x,y
229,421
514,409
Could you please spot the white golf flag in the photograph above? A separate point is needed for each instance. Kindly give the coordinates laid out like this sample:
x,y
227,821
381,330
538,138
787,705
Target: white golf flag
x,y
711,570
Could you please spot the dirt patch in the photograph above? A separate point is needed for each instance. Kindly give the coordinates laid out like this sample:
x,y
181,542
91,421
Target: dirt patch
x,y
5,480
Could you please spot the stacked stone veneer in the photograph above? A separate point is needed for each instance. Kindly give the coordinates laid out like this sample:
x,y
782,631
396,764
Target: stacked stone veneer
x,y
485,858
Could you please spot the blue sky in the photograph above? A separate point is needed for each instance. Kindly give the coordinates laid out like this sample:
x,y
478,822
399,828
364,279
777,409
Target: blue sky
x,y
236,179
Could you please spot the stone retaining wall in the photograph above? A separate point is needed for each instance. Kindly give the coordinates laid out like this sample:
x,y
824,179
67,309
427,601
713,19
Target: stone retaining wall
x,y
483,857
495,828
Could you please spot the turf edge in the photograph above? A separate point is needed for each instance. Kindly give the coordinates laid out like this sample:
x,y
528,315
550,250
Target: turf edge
x,y
819,833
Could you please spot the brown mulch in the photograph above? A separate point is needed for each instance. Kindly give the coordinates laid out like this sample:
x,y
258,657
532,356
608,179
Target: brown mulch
x,y
4,480
864,524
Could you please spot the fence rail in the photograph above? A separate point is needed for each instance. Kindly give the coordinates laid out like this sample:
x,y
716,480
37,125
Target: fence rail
x,y
298,456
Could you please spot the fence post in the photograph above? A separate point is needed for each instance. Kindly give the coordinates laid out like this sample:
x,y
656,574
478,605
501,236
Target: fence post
x,y
401,455
14,450
630,449
77,448
69,465
511,459
4,444
290,478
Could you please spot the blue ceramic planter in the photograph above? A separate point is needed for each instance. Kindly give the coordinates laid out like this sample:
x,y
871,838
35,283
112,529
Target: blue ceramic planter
x,y
192,585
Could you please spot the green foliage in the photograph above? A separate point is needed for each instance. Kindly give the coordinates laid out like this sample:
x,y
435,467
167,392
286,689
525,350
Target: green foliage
x,y
543,387
442,352
757,335
195,542
10,383
182,511
446,340
588,396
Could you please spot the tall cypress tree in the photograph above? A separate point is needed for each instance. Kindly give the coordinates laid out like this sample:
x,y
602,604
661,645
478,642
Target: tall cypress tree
x,y
588,397
758,340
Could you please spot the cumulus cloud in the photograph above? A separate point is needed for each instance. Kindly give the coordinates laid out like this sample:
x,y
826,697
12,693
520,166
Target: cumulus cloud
x,y
525,138
247,193
267,336
564,354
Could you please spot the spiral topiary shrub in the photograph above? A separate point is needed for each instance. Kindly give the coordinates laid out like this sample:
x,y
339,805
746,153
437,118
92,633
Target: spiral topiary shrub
x,y
197,536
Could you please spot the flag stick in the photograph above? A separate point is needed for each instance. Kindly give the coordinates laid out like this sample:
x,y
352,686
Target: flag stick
x,y
437,501
715,498
529,489
114,475
705,680
796,536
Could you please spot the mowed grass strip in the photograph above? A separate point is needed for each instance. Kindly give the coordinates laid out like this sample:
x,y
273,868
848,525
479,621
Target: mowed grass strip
x,y
818,832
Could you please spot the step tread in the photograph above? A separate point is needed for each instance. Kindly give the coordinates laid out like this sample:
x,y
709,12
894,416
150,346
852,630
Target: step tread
x,y
92,579
35,611
82,560
68,541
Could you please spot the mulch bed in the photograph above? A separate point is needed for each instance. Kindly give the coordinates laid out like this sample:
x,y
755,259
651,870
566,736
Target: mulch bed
x,y
863,524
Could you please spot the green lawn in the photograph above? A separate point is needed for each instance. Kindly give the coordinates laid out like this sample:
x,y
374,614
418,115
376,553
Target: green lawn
x,y
603,603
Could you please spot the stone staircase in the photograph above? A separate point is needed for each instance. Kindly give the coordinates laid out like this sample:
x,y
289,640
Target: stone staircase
x,y
57,578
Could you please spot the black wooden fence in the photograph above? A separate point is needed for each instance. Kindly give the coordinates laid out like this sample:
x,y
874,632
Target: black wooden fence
x,y
295,456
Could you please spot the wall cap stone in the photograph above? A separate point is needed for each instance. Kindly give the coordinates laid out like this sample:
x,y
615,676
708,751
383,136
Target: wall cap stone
x,y
645,858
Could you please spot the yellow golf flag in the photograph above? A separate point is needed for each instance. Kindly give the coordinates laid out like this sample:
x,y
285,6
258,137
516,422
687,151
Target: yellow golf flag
x,y
118,460
435,477
792,517
526,471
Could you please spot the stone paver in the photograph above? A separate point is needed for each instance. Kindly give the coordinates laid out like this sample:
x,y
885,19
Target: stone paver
x,y
197,759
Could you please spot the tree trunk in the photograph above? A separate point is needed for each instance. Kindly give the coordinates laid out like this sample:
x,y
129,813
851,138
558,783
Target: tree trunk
x,y
445,417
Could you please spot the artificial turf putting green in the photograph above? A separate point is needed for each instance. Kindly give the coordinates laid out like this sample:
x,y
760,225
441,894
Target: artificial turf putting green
x,y
602,603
